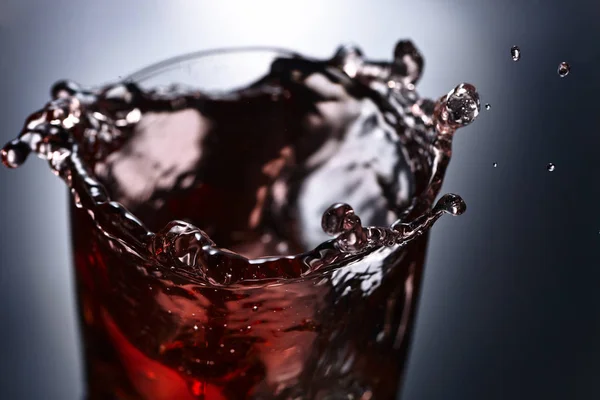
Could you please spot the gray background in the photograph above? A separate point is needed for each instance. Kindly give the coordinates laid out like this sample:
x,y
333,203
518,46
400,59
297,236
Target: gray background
x,y
510,307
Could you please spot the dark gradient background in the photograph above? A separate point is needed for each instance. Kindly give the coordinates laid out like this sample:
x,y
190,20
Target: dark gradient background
x,y
510,307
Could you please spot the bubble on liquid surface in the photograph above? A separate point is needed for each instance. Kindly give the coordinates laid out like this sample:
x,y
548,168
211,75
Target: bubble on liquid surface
x,y
563,69
515,53
462,105
550,167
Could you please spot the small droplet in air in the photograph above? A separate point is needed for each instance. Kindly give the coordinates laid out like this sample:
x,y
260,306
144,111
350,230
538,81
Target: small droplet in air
x,y
563,69
550,167
495,165
515,53
488,106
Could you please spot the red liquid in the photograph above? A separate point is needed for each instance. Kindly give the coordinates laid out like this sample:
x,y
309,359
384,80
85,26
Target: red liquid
x,y
335,333
171,311
146,338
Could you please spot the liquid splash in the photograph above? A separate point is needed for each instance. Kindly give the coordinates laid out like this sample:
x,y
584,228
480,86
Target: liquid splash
x,y
81,126
261,288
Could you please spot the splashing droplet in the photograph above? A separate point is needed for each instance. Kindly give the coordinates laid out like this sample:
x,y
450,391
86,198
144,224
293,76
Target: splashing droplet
x,y
488,106
515,53
341,221
64,88
349,58
408,63
550,167
563,69
334,219
461,105
451,204
15,153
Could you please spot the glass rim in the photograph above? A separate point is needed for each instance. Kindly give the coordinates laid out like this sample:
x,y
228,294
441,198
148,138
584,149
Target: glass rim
x,y
164,65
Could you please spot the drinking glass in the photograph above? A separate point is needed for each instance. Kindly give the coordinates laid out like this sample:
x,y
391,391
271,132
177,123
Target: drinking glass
x,y
252,317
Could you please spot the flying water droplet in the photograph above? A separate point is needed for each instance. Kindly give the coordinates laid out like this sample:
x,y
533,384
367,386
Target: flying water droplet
x,y
515,53
488,106
495,165
550,167
563,69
